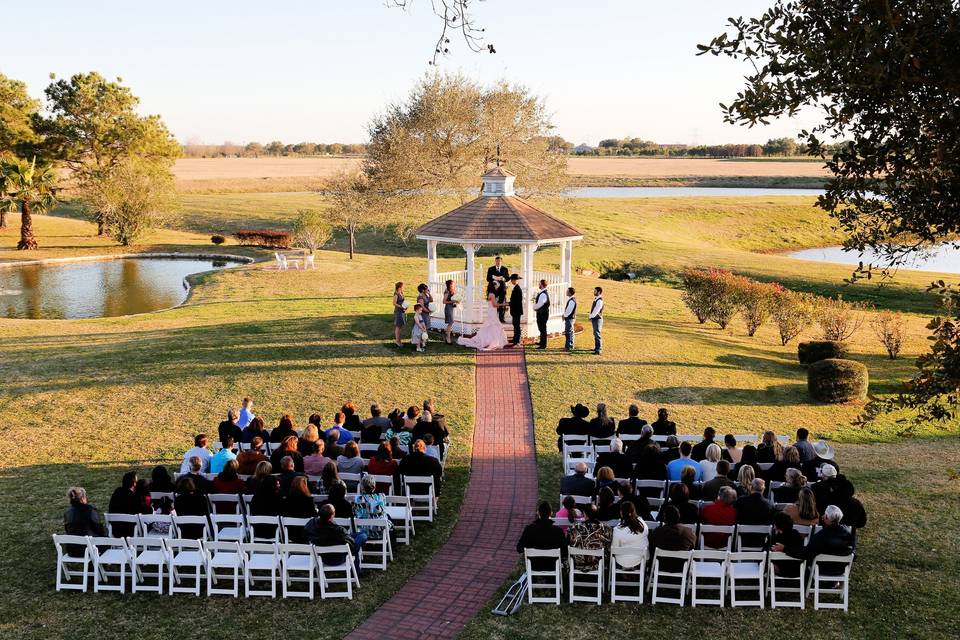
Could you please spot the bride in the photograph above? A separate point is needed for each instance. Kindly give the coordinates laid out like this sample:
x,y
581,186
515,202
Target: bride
x,y
491,335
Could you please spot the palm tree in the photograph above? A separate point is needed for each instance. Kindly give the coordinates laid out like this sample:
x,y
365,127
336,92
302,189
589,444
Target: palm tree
x,y
34,188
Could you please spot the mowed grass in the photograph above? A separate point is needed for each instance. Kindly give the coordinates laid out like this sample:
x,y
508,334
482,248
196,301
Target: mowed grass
x,y
86,400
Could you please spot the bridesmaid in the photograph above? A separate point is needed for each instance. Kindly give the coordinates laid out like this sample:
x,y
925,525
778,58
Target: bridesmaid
x,y
399,313
425,300
449,304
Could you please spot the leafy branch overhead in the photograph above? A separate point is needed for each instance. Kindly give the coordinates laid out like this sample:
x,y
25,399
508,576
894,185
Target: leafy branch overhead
x,y
457,19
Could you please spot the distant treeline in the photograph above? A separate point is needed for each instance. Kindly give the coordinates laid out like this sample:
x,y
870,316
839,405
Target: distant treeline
x,y
275,149
775,147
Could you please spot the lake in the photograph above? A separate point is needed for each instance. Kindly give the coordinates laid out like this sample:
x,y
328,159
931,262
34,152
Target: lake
x,y
99,288
944,258
673,192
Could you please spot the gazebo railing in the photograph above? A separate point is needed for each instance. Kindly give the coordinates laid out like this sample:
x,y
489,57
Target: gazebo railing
x,y
551,277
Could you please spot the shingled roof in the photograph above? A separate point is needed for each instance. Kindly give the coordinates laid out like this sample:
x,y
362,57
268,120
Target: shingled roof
x,y
498,219
499,171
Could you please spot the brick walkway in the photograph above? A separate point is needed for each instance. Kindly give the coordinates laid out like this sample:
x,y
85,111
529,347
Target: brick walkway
x,y
500,499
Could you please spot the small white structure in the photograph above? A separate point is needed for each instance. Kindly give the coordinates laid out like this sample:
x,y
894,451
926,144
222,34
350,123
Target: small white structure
x,y
499,218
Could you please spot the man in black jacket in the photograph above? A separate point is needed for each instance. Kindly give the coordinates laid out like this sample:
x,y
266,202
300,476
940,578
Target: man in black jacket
x,y
831,540
81,519
322,532
543,534
632,425
516,307
578,484
418,463
229,427
711,488
499,274
753,509
575,425
699,452
616,459
663,426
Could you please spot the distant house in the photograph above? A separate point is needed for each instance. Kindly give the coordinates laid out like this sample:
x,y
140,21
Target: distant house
x,y
583,149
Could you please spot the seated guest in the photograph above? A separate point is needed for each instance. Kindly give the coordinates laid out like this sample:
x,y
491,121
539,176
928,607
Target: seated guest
x,y
578,484
329,477
748,458
720,512
770,449
633,424
337,498
125,500
427,414
396,449
370,504
630,534
804,510
753,509
662,426
789,459
261,471
160,479
246,413
640,503
199,450
255,429
650,465
803,446
200,483
674,467
822,454
592,533
786,539
436,429
343,435
711,488
543,534
397,420
688,478
287,448
570,513
699,451
574,425
229,428
430,448
679,498
288,472
790,489
831,540
283,430
266,502
635,447
607,507
332,449
833,488
383,464
411,418
709,463
310,436
190,502
418,463
671,450
350,462
730,451
376,421
744,480
228,481
220,458
81,519
247,460
605,478
616,459
350,418
298,502
602,426
672,536
322,532
314,463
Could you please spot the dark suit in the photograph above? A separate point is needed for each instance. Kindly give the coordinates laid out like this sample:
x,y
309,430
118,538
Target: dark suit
x,y
543,534
631,426
753,509
619,462
672,538
420,464
227,428
664,428
711,488
572,426
501,291
577,485
328,534
699,451
516,311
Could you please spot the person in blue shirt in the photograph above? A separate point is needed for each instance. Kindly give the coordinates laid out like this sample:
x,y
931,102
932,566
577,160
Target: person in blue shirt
x,y
220,458
345,435
674,467
246,413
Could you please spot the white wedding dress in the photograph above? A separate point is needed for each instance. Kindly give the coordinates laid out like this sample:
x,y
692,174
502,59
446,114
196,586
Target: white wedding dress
x,y
491,335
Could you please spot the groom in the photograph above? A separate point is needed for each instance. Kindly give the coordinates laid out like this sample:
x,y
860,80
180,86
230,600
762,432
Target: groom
x,y
516,307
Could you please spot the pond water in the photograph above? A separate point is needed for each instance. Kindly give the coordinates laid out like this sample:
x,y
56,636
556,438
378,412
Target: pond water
x,y
944,258
672,192
98,288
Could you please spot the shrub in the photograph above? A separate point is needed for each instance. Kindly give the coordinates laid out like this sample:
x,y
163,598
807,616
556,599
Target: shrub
x,y
263,238
792,312
696,293
816,350
888,327
723,290
835,380
217,239
839,319
755,302
311,229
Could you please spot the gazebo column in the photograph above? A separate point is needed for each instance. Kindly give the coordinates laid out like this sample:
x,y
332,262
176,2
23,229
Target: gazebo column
x,y
431,261
531,286
566,262
469,302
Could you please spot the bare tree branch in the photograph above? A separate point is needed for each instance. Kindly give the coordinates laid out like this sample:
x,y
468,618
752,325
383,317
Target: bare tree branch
x,y
457,17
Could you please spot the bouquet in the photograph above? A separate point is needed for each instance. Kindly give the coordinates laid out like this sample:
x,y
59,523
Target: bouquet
x,y
423,339
404,305
456,298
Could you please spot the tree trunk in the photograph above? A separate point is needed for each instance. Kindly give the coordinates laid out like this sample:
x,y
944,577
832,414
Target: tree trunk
x,y
351,232
101,231
27,241
3,218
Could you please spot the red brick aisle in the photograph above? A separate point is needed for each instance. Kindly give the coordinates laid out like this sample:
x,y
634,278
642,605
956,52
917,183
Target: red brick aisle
x,y
500,499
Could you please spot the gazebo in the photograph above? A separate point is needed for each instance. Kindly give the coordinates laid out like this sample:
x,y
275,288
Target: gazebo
x,y
498,218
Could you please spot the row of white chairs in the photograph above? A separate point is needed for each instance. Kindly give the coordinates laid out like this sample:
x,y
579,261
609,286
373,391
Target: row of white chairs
x,y
574,454
744,438
747,579
184,566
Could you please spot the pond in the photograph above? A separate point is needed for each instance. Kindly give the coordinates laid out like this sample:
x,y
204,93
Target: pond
x,y
944,258
672,192
96,289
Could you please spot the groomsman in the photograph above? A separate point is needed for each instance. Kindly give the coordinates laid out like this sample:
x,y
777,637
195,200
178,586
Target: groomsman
x,y
596,319
569,314
499,274
516,307
542,308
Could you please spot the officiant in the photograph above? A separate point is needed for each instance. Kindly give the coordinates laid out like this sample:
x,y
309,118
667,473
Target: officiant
x,y
499,274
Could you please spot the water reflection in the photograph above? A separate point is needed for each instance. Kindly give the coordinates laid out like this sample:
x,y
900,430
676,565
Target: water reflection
x,y
96,289
944,258
673,192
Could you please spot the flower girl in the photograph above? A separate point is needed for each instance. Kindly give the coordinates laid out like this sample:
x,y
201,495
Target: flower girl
x,y
418,335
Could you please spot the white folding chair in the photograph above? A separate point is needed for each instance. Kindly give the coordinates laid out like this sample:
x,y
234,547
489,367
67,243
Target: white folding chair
x,y
550,579
831,583
261,563
72,551
651,488
592,579
367,449
746,567
574,454
308,262
184,554
336,573
781,584
580,500
267,526
146,553
224,561
105,553
383,482
399,511
225,503
620,575
376,551
182,524
707,573
752,537
670,569
805,532
113,519
289,525
157,525
423,505
352,480
228,528
160,495
297,565
718,529
247,500
281,261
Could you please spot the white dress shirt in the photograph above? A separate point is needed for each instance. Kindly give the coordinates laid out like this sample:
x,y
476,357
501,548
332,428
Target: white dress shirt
x,y
568,310
541,299
597,308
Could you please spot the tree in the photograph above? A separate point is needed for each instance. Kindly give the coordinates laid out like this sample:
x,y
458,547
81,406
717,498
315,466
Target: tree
x,y
792,312
355,205
33,188
780,147
888,327
93,127
253,149
839,319
457,17
311,229
274,148
17,110
755,300
132,198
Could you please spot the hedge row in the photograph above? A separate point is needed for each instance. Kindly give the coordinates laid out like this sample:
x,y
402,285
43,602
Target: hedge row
x,y
263,238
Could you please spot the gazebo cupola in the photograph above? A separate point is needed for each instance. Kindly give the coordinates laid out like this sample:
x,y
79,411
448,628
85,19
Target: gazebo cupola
x,y
498,218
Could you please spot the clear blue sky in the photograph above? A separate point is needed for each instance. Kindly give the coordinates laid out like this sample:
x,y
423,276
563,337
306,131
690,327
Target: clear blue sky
x,y
317,70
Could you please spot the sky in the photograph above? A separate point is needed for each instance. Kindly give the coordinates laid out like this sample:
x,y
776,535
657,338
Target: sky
x,y
318,70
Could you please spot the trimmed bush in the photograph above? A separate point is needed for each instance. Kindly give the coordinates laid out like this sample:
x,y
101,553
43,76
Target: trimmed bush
x,y
816,350
836,380
263,238
217,239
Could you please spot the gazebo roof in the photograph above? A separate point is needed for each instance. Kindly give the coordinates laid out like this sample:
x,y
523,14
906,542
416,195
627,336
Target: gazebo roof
x,y
498,219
